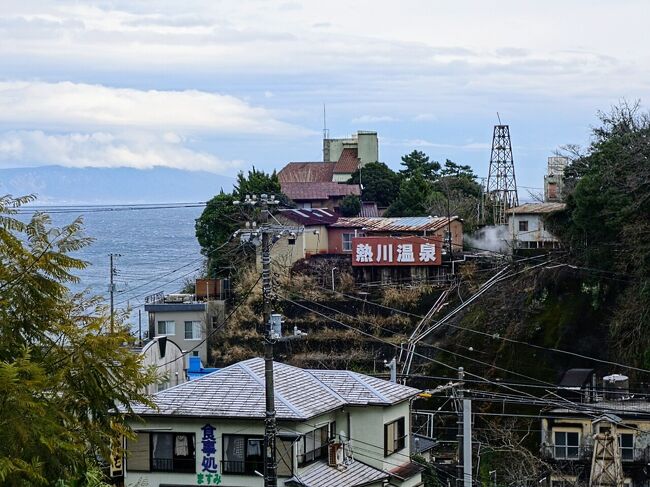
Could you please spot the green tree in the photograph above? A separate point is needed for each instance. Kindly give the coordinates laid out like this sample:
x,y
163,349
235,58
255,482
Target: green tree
x,y
214,231
413,199
607,222
380,183
350,205
221,218
417,163
62,374
257,183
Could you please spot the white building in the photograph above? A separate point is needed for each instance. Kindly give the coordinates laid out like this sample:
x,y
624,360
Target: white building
x,y
169,361
185,321
335,428
526,226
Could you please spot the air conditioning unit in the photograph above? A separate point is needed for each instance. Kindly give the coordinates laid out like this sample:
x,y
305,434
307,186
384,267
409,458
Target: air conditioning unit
x,y
335,454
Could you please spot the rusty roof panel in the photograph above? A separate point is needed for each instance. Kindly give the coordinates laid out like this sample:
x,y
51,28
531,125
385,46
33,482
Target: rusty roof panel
x,y
402,224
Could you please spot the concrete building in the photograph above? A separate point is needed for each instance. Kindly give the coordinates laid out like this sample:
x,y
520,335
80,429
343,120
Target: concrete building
x,y
554,179
184,320
335,429
316,184
362,147
526,226
570,435
169,361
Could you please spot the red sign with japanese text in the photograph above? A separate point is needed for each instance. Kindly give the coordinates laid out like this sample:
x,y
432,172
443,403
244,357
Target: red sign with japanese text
x,y
393,251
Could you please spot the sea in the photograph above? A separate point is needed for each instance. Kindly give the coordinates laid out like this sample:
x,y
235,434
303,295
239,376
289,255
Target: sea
x,y
155,250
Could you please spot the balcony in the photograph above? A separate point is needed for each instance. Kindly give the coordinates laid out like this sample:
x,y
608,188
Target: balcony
x,y
584,453
242,467
564,453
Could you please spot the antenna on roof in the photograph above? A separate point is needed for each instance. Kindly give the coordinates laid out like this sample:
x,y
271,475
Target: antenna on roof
x,y
326,133
499,118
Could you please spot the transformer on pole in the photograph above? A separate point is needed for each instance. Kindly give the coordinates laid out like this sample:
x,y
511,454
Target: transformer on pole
x,y
501,191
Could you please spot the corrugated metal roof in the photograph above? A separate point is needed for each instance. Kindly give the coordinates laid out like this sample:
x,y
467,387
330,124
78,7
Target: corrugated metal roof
x,y
536,208
369,209
238,392
321,475
401,224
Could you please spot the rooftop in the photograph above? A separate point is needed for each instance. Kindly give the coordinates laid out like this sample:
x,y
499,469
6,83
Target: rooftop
x,y
237,391
318,190
634,408
402,224
348,162
320,474
310,216
307,172
537,208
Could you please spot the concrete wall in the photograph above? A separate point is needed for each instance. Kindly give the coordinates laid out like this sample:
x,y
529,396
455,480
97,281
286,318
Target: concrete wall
x,y
535,233
180,317
368,147
171,367
365,142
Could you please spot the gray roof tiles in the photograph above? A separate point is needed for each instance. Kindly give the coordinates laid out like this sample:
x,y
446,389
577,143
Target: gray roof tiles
x,y
321,475
237,391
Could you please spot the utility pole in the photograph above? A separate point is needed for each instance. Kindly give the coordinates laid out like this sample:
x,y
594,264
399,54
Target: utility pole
x,y
111,287
270,466
464,448
459,436
268,231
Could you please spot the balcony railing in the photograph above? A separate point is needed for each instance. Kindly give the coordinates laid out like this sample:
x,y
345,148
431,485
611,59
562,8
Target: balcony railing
x,y
242,467
585,452
567,452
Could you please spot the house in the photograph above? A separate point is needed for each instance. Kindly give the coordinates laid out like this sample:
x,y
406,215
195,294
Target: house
x,y
311,241
319,194
185,319
341,233
570,434
321,184
336,428
527,228
396,249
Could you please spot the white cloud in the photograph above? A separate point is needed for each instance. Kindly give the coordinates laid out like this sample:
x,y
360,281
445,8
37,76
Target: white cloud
x,y
77,105
101,149
374,119
425,117
470,146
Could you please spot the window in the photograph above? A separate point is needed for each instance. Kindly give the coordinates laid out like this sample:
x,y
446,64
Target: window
x,y
166,328
347,242
394,436
243,454
313,445
172,452
161,452
567,444
137,453
523,226
284,457
626,444
193,330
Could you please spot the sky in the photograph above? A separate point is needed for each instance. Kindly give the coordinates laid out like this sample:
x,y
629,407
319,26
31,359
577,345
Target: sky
x,y
220,86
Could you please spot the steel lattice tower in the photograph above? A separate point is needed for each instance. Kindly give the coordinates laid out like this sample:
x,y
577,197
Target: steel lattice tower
x,y
501,183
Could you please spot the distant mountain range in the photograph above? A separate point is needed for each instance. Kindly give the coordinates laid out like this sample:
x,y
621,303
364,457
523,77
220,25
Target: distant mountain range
x,y
64,185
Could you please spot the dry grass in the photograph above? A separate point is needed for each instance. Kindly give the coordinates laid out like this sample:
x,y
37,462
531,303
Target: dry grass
x,y
404,297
